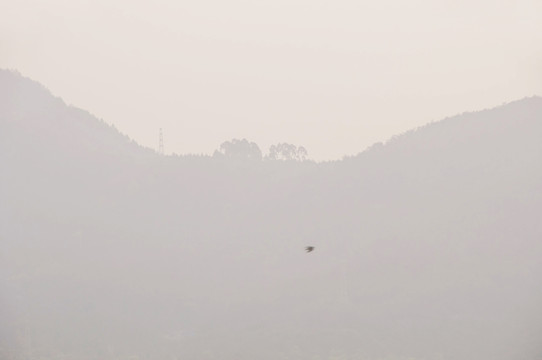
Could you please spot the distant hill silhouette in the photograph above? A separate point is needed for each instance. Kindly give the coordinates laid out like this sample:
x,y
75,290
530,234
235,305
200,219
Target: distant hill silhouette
x,y
429,245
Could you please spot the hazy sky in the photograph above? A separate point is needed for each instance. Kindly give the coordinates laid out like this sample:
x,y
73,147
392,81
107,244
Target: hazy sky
x,y
333,76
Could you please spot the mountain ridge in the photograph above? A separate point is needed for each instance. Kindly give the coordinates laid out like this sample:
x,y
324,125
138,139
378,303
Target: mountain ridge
x,y
425,247
16,88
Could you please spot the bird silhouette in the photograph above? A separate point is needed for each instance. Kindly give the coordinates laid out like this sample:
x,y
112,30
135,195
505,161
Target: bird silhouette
x,y
309,249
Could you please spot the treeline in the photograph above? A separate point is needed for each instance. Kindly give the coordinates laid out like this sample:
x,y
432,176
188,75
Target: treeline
x,y
243,149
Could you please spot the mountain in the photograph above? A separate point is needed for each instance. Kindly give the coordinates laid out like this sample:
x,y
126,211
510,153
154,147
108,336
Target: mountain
x,y
426,247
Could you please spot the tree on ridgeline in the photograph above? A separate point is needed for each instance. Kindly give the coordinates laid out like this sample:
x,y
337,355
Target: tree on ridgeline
x,y
284,151
239,149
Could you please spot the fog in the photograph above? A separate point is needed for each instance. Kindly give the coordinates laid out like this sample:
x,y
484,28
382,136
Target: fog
x,y
426,246
334,77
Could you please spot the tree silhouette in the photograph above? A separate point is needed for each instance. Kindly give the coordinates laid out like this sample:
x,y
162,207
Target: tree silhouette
x,y
284,151
239,149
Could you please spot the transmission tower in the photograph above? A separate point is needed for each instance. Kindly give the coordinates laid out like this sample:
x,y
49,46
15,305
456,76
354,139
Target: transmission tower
x,y
161,143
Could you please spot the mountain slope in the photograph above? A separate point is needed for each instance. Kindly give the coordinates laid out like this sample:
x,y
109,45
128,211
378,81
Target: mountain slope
x,y
426,247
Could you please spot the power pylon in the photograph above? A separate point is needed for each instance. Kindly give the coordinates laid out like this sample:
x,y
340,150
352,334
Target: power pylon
x,y
161,143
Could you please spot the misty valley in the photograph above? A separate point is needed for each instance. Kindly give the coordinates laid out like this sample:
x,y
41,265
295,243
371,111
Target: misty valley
x,y
427,246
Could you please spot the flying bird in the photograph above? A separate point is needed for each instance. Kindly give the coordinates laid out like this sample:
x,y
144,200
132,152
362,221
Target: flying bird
x,y
309,249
